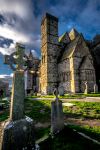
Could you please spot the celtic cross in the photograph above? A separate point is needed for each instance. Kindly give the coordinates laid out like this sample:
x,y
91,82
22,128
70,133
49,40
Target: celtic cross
x,y
17,60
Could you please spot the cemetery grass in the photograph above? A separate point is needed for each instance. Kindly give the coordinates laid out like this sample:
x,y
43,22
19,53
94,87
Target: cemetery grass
x,y
68,96
68,139
84,110
40,111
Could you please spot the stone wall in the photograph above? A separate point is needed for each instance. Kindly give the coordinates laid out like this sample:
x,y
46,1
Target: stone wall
x,y
64,75
82,68
49,48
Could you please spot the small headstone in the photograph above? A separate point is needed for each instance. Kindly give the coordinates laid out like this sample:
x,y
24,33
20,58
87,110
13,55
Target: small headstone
x,y
61,91
86,88
57,118
95,88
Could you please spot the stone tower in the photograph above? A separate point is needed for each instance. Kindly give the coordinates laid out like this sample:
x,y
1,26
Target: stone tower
x,y
49,49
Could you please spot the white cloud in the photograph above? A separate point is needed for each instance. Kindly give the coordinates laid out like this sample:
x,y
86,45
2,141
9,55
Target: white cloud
x,y
18,7
20,24
9,32
8,51
5,76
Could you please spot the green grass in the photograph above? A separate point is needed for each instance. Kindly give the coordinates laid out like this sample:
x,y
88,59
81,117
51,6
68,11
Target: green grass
x,y
43,96
40,111
93,132
90,110
4,115
72,96
67,96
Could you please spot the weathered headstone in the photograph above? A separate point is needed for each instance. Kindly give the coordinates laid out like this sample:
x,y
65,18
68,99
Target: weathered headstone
x,y
57,119
86,88
95,88
61,91
18,132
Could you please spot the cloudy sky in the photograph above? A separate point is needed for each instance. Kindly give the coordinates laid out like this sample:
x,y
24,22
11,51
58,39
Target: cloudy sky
x,y
20,22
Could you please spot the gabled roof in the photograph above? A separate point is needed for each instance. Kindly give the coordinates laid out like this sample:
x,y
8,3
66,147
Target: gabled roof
x,y
69,48
64,38
73,34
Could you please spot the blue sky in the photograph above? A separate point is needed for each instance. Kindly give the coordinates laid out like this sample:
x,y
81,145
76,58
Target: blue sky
x,y
20,22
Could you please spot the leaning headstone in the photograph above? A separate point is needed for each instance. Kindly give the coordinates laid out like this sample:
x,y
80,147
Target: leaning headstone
x,y
86,88
95,88
18,132
57,118
61,91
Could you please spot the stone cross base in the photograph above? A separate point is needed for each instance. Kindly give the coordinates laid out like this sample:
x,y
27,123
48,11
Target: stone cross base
x,y
18,135
57,118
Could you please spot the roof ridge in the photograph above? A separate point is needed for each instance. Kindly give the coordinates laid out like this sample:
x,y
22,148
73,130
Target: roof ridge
x,y
62,36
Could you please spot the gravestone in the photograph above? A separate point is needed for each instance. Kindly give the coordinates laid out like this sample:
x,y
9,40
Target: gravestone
x,y
57,118
18,132
86,88
61,90
95,88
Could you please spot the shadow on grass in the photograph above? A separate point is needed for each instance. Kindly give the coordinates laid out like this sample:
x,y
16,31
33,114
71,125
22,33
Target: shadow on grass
x,y
68,140
80,116
39,111
93,132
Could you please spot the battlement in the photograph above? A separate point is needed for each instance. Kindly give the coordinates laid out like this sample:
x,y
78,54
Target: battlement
x,y
49,16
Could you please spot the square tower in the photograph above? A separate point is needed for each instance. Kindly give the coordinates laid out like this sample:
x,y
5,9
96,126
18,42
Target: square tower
x,y
49,49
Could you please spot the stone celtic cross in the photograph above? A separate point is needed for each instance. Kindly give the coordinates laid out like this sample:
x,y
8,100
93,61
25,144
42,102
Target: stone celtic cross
x,y
17,58
18,132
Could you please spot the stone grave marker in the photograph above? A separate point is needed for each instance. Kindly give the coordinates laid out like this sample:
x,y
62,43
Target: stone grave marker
x,y
18,132
95,88
57,118
61,91
86,88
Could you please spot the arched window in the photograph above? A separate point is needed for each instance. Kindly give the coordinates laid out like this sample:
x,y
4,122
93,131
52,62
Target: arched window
x,y
44,58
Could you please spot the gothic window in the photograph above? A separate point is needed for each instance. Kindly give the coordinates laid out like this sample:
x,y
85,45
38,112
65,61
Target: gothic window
x,y
66,77
58,77
63,77
44,58
70,76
